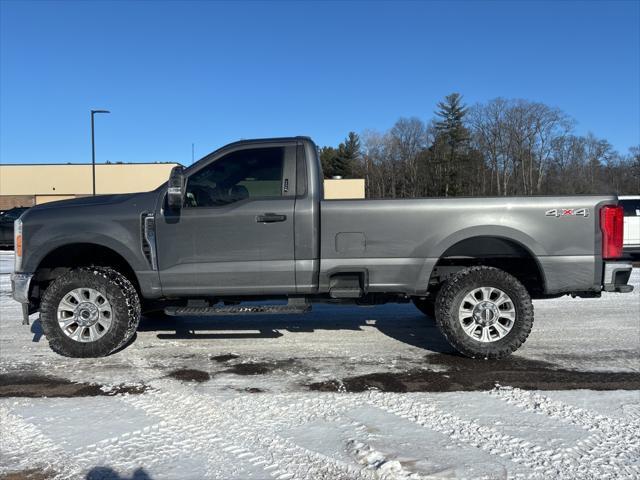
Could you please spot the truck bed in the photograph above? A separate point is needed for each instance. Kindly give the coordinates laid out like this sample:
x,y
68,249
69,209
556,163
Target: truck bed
x,y
400,241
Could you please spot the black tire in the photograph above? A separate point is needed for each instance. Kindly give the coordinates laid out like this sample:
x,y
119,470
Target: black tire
x,y
426,305
115,287
450,298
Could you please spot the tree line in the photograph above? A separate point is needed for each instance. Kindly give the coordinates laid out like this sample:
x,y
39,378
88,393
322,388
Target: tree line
x,y
501,147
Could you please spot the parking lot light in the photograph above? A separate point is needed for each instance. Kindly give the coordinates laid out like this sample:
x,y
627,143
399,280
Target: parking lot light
x,y
93,149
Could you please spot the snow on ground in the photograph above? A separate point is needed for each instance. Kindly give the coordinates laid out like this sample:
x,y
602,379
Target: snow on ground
x,y
340,393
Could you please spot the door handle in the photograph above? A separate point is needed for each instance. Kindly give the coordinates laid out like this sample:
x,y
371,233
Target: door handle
x,y
270,218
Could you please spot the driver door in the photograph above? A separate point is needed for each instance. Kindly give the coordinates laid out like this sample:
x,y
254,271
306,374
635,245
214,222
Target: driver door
x,y
236,226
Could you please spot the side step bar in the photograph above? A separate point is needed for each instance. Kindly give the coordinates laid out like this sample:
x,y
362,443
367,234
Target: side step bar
x,y
347,285
346,292
238,310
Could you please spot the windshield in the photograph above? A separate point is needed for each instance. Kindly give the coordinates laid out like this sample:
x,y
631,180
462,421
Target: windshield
x,y
12,214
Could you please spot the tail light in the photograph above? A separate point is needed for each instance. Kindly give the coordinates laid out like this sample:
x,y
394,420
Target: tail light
x,y
612,225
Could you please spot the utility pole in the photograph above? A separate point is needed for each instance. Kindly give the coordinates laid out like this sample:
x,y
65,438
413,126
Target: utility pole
x,y
93,149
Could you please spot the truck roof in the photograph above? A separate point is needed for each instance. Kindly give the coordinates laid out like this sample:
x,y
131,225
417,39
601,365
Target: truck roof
x,y
248,142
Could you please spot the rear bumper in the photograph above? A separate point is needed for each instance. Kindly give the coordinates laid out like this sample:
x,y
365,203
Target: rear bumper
x,y
616,276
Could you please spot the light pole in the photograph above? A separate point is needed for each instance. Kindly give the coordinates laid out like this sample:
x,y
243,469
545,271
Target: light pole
x,y
93,149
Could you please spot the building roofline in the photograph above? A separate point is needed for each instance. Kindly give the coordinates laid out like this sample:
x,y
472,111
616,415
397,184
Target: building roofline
x,y
84,164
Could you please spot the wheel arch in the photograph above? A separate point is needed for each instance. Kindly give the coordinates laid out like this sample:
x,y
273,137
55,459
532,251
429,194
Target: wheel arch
x,y
62,258
497,231
497,250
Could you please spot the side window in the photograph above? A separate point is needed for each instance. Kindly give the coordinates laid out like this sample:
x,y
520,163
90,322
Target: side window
x,y
250,173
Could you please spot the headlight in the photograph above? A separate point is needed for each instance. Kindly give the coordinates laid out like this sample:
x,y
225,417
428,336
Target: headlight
x,y
17,243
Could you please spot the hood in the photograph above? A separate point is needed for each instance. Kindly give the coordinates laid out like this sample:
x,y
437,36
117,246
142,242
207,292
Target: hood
x,y
89,201
90,207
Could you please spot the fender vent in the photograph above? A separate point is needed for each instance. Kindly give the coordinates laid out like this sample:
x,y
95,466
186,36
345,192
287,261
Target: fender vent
x,y
148,239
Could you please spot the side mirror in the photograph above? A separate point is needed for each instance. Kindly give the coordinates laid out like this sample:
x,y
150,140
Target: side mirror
x,y
174,192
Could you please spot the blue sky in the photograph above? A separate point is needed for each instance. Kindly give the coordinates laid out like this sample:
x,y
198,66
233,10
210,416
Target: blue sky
x,y
177,73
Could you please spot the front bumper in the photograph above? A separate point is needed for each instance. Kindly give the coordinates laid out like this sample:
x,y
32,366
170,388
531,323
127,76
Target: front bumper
x,y
20,283
616,276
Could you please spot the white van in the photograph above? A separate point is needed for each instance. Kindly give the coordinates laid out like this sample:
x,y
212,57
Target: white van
x,y
631,205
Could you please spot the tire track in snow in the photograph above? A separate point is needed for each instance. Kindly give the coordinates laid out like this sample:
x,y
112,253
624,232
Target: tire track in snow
x,y
139,448
177,439
179,435
549,463
542,404
274,411
267,414
613,444
236,432
19,436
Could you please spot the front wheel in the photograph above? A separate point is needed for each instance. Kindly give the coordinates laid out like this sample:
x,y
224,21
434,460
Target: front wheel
x,y
484,312
89,312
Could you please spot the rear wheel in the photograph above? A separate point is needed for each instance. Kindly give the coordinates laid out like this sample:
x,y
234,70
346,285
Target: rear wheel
x,y
484,312
89,312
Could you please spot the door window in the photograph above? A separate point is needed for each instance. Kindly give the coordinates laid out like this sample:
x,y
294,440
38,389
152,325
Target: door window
x,y
251,173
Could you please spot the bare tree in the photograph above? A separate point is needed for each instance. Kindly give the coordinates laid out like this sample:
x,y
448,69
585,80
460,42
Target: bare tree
x,y
407,141
514,147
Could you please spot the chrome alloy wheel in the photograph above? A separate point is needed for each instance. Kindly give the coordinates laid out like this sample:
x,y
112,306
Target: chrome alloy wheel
x,y
84,315
487,314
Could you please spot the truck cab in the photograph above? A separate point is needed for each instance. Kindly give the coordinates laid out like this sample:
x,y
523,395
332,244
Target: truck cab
x,y
242,221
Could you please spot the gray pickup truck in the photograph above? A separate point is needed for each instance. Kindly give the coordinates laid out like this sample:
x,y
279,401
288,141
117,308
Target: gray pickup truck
x,y
249,223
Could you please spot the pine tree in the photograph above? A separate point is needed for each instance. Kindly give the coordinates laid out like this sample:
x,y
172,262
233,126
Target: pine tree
x,y
347,156
451,130
452,113
328,157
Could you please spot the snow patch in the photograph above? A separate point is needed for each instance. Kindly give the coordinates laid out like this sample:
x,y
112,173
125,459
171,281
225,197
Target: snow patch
x,y
377,462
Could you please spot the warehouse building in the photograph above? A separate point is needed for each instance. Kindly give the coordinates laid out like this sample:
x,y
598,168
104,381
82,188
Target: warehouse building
x,y
26,185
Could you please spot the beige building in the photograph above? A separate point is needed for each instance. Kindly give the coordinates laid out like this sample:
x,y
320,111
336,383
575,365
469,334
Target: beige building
x,y
28,185
343,188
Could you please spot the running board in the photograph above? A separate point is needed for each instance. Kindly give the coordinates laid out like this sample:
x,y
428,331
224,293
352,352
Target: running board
x,y
238,310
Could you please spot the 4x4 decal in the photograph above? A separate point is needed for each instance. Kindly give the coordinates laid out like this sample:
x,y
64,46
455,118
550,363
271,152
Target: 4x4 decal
x,y
567,212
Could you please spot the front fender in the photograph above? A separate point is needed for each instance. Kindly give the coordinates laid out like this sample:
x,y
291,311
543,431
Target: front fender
x,y
39,249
